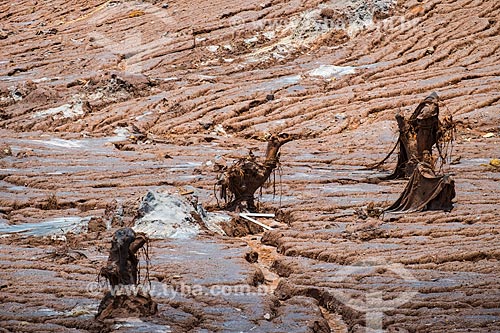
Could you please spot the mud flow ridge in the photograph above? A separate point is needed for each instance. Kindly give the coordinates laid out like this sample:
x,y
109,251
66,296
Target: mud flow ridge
x,y
123,114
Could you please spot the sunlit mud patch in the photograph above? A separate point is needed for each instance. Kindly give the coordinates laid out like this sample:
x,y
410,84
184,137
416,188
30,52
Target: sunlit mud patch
x,y
167,215
54,227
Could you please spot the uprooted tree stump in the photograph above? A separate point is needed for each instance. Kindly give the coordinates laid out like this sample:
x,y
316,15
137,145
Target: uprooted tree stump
x,y
125,298
239,182
419,133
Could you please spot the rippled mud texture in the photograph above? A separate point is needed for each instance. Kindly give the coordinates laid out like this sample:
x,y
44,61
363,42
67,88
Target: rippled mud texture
x,y
103,101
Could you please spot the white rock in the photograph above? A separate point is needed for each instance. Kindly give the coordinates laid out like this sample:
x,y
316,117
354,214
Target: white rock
x,y
252,40
213,48
328,71
63,111
166,215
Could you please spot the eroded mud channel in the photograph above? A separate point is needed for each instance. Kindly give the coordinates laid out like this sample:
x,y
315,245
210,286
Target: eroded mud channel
x,y
131,114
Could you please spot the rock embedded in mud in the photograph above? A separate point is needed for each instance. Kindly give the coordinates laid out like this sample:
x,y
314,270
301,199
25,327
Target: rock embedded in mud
x,y
171,215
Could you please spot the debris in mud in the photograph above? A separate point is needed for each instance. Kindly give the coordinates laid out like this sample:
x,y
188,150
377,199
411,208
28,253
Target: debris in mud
x,y
4,33
495,162
64,255
425,191
420,132
50,203
371,211
241,180
118,85
122,273
252,257
249,217
238,227
51,31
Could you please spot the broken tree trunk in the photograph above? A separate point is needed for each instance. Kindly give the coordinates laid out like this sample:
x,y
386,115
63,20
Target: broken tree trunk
x,y
126,298
417,134
240,181
425,191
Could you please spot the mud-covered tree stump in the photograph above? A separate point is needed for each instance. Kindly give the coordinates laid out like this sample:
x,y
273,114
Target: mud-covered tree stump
x,y
126,298
418,133
240,181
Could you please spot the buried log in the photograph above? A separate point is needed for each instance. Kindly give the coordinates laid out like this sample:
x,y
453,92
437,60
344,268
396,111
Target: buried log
x,y
239,182
126,298
420,132
425,191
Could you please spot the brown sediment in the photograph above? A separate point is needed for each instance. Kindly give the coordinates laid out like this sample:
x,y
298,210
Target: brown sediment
x,y
180,105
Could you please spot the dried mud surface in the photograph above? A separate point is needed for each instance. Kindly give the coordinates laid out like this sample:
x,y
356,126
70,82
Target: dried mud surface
x,y
101,101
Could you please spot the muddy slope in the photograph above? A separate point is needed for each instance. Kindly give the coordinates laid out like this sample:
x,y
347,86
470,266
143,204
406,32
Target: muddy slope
x,y
101,101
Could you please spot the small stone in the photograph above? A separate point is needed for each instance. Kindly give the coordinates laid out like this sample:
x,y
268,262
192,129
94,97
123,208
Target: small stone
x,y
213,48
251,40
206,124
5,151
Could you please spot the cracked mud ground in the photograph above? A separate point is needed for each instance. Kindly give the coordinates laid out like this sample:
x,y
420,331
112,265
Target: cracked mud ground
x,y
101,101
